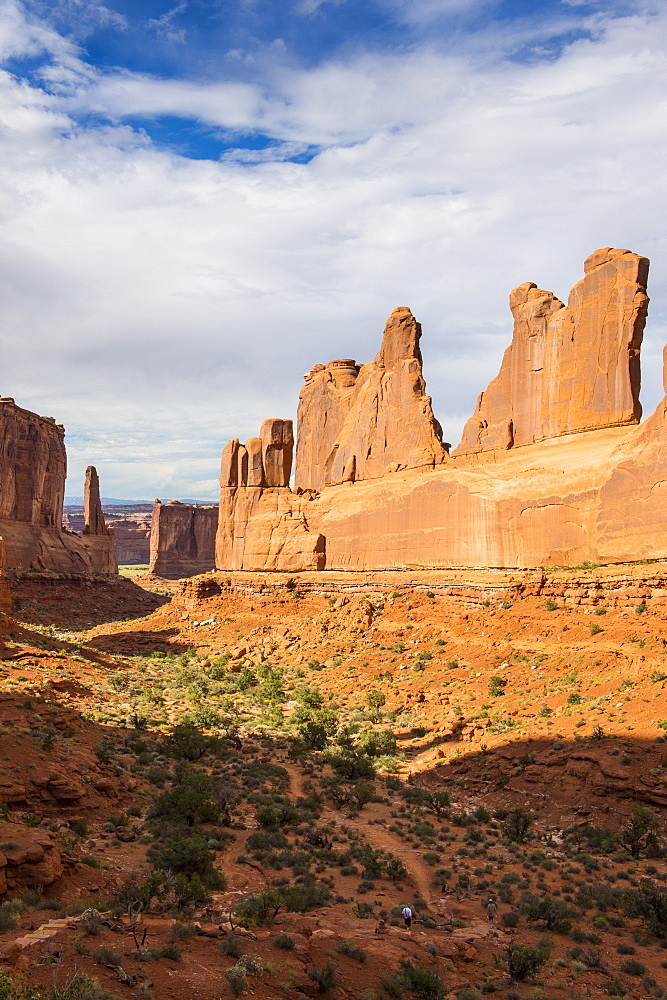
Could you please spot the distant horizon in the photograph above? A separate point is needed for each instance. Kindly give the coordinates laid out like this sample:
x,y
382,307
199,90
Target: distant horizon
x,y
73,501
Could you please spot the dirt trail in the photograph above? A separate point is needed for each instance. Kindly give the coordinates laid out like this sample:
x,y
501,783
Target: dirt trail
x,y
376,836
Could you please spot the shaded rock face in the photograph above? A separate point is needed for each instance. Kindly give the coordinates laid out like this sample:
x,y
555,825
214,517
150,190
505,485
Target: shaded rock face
x,y
569,368
182,541
363,422
33,467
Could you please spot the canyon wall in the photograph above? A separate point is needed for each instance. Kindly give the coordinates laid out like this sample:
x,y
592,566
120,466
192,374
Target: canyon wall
x,y
553,468
182,540
33,467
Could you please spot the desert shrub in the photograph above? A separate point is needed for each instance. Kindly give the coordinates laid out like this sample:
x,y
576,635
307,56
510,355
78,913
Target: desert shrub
x,y
187,742
395,870
231,945
554,913
441,876
79,987
189,802
181,932
510,919
425,983
640,831
326,978
345,947
649,902
264,841
251,965
260,909
524,960
284,941
90,922
188,856
469,993
237,980
171,951
632,967
10,915
107,956
517,825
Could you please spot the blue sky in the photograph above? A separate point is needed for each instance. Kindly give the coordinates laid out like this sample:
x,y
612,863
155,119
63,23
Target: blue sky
x,y
201,200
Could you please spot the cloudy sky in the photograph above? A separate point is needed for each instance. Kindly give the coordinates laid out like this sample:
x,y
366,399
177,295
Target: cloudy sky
x,y
200,200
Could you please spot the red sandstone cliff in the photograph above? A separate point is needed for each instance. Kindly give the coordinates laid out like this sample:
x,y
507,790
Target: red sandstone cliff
x,y
589,485
569,368
362,422
33,467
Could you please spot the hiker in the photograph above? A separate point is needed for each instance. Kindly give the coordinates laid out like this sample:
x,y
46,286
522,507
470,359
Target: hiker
x,y
491,910
406,913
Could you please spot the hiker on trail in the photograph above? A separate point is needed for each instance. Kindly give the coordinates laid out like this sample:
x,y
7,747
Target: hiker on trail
x,y
491,910
406,913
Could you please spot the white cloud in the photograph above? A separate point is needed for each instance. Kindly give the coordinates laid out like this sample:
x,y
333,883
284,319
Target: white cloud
x,y
164,25
158,305
307,7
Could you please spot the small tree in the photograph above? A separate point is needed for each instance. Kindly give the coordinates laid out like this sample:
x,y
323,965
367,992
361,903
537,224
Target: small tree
x,y
650,903
260,909
640,831
439,801
523,960
189,802
375,700
517,825
554,913
187,742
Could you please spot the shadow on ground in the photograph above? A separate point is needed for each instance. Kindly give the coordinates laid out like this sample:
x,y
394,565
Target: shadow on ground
x,y
78,603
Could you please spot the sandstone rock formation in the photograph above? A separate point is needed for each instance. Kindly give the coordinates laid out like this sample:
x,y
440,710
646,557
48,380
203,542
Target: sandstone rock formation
x,y
182,541
93,515
260,521
362,422
98,539
569,368
33,467
587,485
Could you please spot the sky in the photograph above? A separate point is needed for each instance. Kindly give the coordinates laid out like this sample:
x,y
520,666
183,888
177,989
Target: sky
x,y
200,200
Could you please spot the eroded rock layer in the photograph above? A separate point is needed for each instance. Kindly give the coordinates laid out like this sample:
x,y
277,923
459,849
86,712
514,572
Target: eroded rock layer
x,y
363,422
569,368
